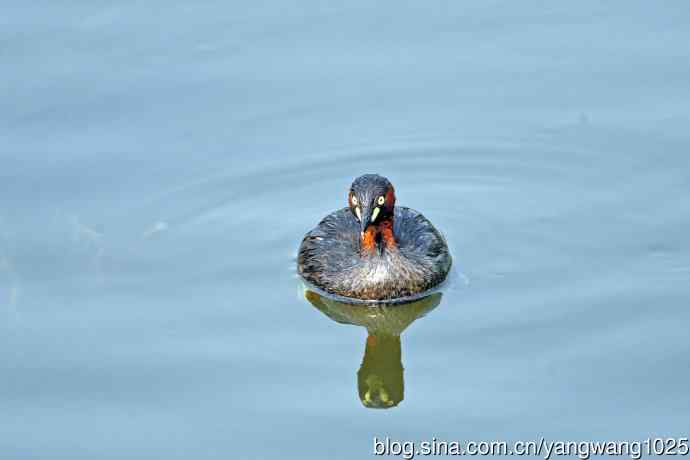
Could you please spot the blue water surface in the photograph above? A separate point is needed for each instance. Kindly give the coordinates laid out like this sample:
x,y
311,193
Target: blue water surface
x,y
161,161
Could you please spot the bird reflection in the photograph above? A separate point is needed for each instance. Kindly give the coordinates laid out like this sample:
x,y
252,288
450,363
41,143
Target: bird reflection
x,y
380,377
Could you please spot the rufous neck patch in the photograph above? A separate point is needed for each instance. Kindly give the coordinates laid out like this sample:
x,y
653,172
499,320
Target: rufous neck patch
x,y
381,234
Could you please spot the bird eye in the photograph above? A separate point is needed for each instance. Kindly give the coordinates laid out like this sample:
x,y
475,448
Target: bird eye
x,y
354,200
381,200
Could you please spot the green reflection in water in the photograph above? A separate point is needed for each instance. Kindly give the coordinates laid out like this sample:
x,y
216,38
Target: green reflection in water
x,y
380,377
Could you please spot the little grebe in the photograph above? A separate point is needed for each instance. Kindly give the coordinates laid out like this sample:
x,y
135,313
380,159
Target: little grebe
x,y
374,250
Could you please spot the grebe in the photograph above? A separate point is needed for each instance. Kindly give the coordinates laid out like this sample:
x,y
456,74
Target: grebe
x,y
374,250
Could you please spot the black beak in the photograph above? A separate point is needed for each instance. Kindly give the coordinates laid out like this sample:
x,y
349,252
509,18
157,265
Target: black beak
x,y
366,218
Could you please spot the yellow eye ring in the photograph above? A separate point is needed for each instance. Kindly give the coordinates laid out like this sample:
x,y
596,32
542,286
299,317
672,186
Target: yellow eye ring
x,y
381,200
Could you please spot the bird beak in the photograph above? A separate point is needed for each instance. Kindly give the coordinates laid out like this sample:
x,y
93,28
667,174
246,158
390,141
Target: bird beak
x,y
365,223
369,217
366,218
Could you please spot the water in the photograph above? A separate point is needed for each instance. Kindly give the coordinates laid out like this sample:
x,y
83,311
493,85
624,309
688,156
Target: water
x,y
162,160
